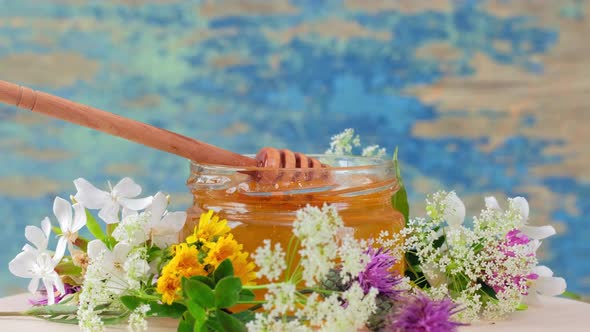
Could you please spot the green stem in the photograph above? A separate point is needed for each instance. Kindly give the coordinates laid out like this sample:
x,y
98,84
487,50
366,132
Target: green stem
x,y
252,302
254,287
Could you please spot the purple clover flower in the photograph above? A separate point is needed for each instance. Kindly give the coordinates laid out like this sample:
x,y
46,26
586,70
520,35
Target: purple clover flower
x,y
69,289
378,273
422,314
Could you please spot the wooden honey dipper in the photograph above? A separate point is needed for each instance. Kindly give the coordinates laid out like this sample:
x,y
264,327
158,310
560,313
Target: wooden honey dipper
x,y
151,136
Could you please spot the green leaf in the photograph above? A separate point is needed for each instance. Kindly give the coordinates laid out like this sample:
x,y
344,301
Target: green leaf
x,y
230,323
225,269
227,292
94,227
246,295
198,313
487,289
131,302
572,295
175,310
522,307
439,242
204,279
399,200
67,268
198,292
186,323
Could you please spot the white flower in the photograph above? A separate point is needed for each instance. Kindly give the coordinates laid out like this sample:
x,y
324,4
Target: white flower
x,y
343,143
39,237
69,225
270,262
521,205
454,212
164,226
137,322
39,266
545,284
374,151
109,203
112,262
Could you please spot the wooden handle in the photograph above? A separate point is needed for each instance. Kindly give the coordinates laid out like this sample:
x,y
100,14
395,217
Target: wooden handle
x,y
116,125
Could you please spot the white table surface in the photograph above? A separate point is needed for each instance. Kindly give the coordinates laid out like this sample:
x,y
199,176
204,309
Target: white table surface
x,y
555,314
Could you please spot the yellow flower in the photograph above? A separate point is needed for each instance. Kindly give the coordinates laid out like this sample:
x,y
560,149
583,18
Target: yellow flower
x,y
244,269
185,263
225,247
169,286
209,228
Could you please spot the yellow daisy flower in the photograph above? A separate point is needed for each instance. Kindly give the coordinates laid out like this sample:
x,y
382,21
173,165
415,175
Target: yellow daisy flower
x,y
244,269
209,228
225,247
185,263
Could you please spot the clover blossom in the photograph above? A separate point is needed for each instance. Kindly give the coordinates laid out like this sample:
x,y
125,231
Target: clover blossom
x,y
378,274
422,314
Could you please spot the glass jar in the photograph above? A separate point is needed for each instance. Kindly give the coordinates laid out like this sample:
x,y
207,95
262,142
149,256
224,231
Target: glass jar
x,y
360,188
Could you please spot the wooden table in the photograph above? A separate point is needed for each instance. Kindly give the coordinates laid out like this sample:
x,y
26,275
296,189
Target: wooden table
x,y
556,314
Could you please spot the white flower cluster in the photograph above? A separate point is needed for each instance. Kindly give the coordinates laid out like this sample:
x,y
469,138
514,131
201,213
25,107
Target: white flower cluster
x,y
346,311
346,141
322,238
316,229
489,270
271,262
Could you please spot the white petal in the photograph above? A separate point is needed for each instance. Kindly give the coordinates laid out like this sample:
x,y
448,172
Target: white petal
x,y
136,204
538,232
532,298
121,250
95,247
50,292
164,241
36,236
59,285
79,217
33,285
20,265
90,196
109,212
542,271
46,226
521,204
128,214
126,188
535,244
60,250
550,286
174,220
492,203
63,212
159,205
454,212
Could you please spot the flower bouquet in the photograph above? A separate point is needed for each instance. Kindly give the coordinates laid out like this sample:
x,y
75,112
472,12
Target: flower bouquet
x,y
132,266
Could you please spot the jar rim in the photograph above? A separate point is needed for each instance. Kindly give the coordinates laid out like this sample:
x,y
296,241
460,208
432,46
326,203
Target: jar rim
x,y
345,163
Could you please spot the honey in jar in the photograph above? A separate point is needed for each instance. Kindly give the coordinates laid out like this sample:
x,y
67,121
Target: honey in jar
x,y
359,188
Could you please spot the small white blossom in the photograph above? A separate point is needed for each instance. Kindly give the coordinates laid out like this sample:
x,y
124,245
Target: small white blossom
x,y
316,229
280,299
133,229
271,262
353,256
521,207
343,143
374,151
121,195
137,322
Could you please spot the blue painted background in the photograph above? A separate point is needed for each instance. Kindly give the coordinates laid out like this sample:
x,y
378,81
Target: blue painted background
x,y
486,97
